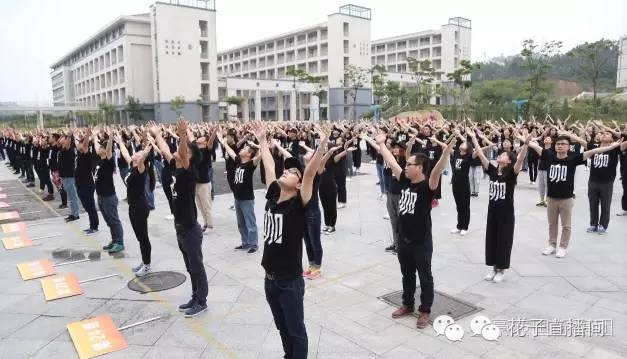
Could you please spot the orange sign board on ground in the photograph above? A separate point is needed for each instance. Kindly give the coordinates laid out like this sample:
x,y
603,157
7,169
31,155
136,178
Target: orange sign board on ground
x,y
16,242
96,336
61,286
13,227
9,215
4,205
35,269
3,196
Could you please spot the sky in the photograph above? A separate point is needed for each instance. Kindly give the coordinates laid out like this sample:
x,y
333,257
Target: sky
x,y
35,33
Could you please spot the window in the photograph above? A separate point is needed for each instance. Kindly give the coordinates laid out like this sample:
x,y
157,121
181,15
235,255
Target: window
x,y
346,29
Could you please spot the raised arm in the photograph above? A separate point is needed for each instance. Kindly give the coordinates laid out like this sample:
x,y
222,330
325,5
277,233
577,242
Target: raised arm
x,y
227,148
436,172
155,131
181,129
306,187
123,150
484,160
388,156
593,152
264,151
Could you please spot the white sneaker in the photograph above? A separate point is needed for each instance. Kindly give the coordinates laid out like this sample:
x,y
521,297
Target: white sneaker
x,y
348,179
490,275
386,216
498,277
561,253
463,232
341,205
548,250
622,214
145,269
169,216
455,231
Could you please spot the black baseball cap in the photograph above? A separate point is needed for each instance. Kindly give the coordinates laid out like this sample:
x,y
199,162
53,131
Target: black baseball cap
x,y
292,162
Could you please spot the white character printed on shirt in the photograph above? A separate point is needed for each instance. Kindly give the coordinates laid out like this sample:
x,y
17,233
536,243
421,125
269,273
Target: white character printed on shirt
x,y
497,190
407,203
601,160
558,173
239,175
273,228
458,164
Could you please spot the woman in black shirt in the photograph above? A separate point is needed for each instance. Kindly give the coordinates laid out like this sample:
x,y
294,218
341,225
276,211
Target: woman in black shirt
x,y
85,186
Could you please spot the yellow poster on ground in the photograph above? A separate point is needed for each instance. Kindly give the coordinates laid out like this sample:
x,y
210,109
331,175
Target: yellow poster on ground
x,y
96,336
13,227
9,215
3,196
35,269
61,286
17,242
4,205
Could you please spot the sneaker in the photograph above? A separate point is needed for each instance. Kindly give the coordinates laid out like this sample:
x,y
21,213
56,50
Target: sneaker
x,y
540,203
561,253
390,248
169,217
622,214
90,231
463,232
591,229
341,205
403,311
498,277
136,268
48,198
490,275
574,195
62,206
313,274
195,310
455,231
252,250
330,230
423,321
30,185
533,183
548,250
117,247
145,269
232,207
348,179
602,230
108,246
325,229
186,306
306,273
71,218
386,216
240,247
435,203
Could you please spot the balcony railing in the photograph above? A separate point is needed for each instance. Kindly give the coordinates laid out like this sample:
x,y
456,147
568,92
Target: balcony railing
x,y
205,76
204,33
204,55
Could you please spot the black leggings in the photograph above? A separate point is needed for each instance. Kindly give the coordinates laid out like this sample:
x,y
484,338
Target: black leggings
x,y
499,237
139,222
328,195
532,163
340,180
462,201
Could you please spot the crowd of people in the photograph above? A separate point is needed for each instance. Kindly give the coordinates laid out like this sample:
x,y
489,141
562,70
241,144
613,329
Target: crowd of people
x,y
305,168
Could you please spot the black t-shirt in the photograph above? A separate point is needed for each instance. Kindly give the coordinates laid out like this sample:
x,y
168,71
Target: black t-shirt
x,y
104,177
184,192
53,162
284,229
603,166
292,147
243,180
414,209
83,174
542,162
561,173
395,185
461,166
203,165
67,160
135,189
501,188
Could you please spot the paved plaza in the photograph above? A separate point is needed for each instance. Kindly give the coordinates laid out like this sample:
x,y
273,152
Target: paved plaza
x,y
344,315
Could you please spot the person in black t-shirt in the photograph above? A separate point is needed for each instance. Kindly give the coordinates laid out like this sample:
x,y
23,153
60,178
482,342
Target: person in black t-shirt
x,y
601,183
542,175
85,185
499,236
461,184
188,232
53,161
561,181
138,209
246,162
415,244
284,228
203,186
67,164
107,198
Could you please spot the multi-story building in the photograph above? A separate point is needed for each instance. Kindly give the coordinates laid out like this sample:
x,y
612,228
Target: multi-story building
x,y
621,73
152,57
445,48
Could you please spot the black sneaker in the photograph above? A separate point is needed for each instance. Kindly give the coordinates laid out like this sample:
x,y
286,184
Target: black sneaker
x,y
108,246
195,310
252,250
391,248
30,185
186,306
90,231
72,218
48,198
62,206
240,247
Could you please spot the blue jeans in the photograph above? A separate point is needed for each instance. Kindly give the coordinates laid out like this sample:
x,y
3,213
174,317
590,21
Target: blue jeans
x,y
285,297
312,235
150,195
246,222
159,169
109,210
380,176
210,171
69,185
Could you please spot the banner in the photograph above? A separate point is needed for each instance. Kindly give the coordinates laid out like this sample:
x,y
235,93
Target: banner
x,y
13,227
36,269
61,286
96,336
9,215
16,242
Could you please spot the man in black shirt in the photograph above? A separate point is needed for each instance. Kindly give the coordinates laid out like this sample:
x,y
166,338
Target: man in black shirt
x,y
107,198
415,245
188,232
85,186
53,162
203,185
284,228
561,182
67,160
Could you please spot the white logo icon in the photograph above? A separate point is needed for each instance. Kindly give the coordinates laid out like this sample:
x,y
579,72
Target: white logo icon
x,y
477,323
440,323
454,332
490,332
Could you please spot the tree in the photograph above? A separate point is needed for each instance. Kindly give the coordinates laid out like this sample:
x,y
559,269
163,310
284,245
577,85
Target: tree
x,y
424,74
537,63
462,79
377,77
354,78
594,58
177,105
134,108
106,109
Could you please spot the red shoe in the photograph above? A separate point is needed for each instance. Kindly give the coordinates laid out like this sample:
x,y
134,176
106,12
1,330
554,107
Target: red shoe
x,y
423,321
403,311
434,203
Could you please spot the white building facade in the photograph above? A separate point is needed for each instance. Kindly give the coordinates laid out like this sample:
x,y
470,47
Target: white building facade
x,y
621,73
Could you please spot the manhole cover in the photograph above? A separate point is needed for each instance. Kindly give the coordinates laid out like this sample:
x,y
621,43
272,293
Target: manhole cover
x,y
443,304
156,282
